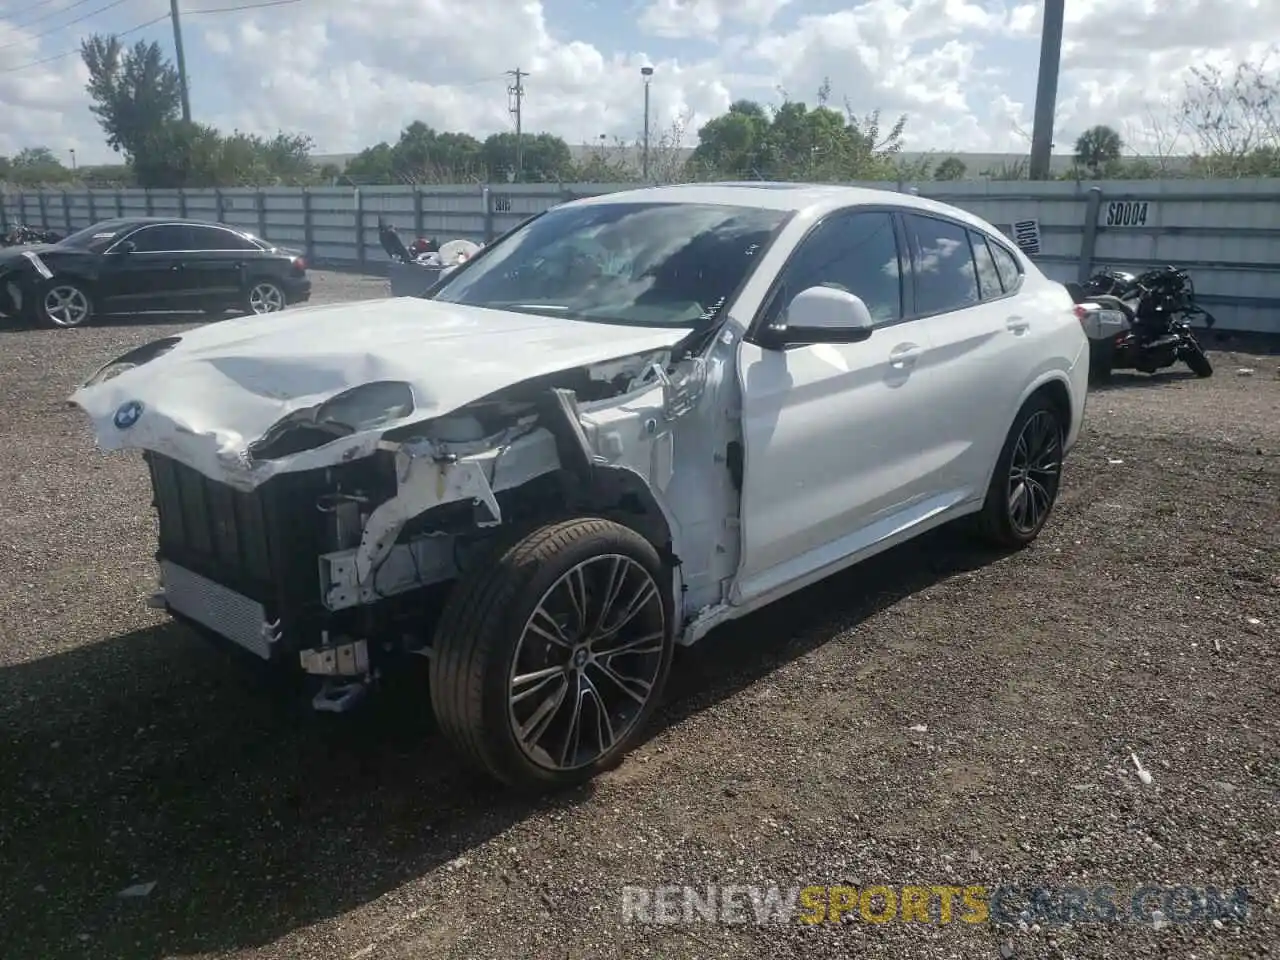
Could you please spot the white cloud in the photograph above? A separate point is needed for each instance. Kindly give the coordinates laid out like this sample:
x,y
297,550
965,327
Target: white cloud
x,y
705,19
351,74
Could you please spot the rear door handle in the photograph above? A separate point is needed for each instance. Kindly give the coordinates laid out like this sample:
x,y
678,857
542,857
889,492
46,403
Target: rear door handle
x,y
905,354
178,266
1018,324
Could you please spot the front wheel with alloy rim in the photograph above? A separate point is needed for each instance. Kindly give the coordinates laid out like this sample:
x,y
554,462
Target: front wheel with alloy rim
x,y
552,653
265,297
62,303
1024,485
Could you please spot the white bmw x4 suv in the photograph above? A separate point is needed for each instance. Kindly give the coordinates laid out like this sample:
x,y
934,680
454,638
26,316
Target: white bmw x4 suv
x,y
630,419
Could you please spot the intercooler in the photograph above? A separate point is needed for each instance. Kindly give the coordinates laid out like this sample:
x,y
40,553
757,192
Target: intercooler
x,y
213,529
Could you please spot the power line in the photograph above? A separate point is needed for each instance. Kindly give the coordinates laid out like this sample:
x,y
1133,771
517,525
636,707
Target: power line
x,y
69,23
74,53
247,6
46,16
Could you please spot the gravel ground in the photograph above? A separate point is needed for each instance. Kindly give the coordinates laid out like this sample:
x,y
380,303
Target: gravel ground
x,y
1144,619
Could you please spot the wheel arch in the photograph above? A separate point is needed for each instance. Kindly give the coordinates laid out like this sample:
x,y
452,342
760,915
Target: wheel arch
x,y
1053,386
34,287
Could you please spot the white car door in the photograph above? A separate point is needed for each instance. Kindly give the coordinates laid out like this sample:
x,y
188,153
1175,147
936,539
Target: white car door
x,y
835,435
982,340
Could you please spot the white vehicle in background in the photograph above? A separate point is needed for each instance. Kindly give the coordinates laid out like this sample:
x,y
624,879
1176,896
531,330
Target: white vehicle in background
x,y
632,418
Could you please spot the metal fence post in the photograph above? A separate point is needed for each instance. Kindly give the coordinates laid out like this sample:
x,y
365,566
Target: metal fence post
x,y
182,202
149,201
486,197
361,255
93,209
418,229
66,211
260,200
1089,239
44,210
308,229
4,211
119,203
217,202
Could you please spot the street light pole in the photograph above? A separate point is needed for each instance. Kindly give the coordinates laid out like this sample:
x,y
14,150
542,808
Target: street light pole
x,y
647,73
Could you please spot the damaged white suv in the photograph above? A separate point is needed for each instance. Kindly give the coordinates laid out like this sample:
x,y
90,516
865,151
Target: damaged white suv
x,y
631,419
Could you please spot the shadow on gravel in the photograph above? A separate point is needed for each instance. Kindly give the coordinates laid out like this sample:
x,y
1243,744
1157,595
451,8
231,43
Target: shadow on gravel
x,y
156,757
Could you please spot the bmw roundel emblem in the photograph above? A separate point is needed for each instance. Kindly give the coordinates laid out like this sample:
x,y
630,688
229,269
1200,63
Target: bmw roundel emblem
x,y
127,414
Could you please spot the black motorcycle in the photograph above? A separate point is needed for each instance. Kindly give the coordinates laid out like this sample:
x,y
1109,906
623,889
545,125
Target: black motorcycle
x,y
22,235
1158,307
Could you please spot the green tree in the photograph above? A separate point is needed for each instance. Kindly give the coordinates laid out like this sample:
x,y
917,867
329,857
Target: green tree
x,y
33,166
794,142
734,143
952,168
135,92
546,158
374,164
1097,148
136,98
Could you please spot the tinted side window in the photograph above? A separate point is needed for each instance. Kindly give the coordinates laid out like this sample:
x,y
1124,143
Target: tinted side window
x,y
988,277
857,252
162,238
944,273
213,238
1010,274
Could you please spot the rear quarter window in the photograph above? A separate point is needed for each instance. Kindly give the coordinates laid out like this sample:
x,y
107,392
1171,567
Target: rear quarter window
x,y
1006,265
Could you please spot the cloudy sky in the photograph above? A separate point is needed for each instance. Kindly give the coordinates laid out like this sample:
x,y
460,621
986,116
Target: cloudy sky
x,y
352,72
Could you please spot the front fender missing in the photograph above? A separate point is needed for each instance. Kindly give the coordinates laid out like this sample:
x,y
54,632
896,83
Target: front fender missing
x,y
426,482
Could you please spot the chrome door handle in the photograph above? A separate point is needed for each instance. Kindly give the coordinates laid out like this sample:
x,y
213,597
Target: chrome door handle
x,y
1017,324
905,354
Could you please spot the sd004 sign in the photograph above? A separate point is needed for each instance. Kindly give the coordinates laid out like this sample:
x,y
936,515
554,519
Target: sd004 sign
x,y
1126,213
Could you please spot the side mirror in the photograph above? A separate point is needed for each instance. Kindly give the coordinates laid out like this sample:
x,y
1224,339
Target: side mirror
x,y
822,315
128,246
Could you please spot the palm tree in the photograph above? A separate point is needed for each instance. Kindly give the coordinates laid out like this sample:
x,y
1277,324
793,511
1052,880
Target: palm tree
x,y
1098,146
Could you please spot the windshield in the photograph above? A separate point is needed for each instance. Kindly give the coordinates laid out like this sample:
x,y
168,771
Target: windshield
x,y
648,264
97,237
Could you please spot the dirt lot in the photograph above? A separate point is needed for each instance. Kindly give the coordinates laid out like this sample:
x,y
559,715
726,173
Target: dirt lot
x,y
1145,619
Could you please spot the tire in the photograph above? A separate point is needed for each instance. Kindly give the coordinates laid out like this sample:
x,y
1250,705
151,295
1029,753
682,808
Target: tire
x,y
74,304
1036,437
264,296
1195,357
484,642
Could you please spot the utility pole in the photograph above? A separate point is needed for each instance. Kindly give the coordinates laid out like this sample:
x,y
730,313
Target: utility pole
x,y
646,72
181,58
1047,89
516,92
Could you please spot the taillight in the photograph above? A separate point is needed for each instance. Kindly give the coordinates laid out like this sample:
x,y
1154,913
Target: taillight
x,y
1081,313
300,264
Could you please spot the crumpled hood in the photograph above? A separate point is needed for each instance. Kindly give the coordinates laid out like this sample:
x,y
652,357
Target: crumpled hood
x,y
226,384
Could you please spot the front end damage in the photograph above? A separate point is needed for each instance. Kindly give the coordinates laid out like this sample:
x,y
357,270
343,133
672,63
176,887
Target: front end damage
x,y
19,278
336,555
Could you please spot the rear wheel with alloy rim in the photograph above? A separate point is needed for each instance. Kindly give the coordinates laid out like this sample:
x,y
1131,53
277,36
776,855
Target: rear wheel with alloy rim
x,y
1024,486
62,303
265,296
551,655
